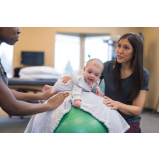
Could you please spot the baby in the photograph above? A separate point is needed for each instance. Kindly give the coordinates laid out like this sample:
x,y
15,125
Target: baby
x,y
82,80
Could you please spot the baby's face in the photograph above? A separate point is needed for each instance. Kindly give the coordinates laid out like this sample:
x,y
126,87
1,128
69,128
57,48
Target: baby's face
x,y
92,73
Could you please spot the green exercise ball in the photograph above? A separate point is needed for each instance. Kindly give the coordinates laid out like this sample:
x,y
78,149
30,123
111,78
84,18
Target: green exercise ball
x,y
79,121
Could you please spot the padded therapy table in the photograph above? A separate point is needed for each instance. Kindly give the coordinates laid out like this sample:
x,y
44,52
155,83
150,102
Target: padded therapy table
x,y
29,84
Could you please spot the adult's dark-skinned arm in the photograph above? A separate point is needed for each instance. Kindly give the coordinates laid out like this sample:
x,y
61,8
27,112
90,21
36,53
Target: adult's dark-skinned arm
x,y
12,106
31,96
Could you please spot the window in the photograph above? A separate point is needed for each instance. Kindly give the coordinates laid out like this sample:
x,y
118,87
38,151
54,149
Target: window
x,y
67,54
6,55
96,48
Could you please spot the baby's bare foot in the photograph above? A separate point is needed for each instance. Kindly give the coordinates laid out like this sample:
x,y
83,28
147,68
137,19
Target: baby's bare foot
x,y
45,88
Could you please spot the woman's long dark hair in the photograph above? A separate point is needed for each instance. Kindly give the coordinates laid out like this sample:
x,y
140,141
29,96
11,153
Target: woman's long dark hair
x,y
136,64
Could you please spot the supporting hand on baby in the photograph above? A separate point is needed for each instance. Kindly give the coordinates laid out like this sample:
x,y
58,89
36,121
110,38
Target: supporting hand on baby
x,y
98,92
111,103
55,101
77,103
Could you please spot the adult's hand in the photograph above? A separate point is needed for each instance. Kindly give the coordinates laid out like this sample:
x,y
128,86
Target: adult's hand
x,y
65,79
55,101
111,103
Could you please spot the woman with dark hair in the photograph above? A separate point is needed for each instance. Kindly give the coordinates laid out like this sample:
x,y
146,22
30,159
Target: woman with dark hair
x,y
12,102
126,80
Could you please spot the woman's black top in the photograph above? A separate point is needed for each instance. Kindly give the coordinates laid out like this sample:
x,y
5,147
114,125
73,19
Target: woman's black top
x,y
126,86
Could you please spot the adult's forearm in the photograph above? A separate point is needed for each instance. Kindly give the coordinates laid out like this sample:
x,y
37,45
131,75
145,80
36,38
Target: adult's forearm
x,y
12,106
130,110
23,108
26,96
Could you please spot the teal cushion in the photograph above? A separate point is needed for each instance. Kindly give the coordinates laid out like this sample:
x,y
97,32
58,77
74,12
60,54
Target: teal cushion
x,y
79,121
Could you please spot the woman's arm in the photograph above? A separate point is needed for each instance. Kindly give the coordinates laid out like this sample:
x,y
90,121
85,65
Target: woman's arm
x,y
133,110
12,106
31,96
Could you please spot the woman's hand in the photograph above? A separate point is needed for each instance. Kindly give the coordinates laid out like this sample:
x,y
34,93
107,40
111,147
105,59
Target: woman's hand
x,y
110,103
55,101
98,92
65,79
47,93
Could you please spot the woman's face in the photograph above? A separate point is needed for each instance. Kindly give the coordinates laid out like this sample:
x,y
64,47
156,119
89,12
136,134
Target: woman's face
x,y
9,35
124,51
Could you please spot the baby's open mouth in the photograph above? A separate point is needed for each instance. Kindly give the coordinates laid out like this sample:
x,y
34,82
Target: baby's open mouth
x,y
90,79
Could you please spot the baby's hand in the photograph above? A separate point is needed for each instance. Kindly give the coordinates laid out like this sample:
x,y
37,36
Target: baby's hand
x,y
65,79
77,103
98,92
